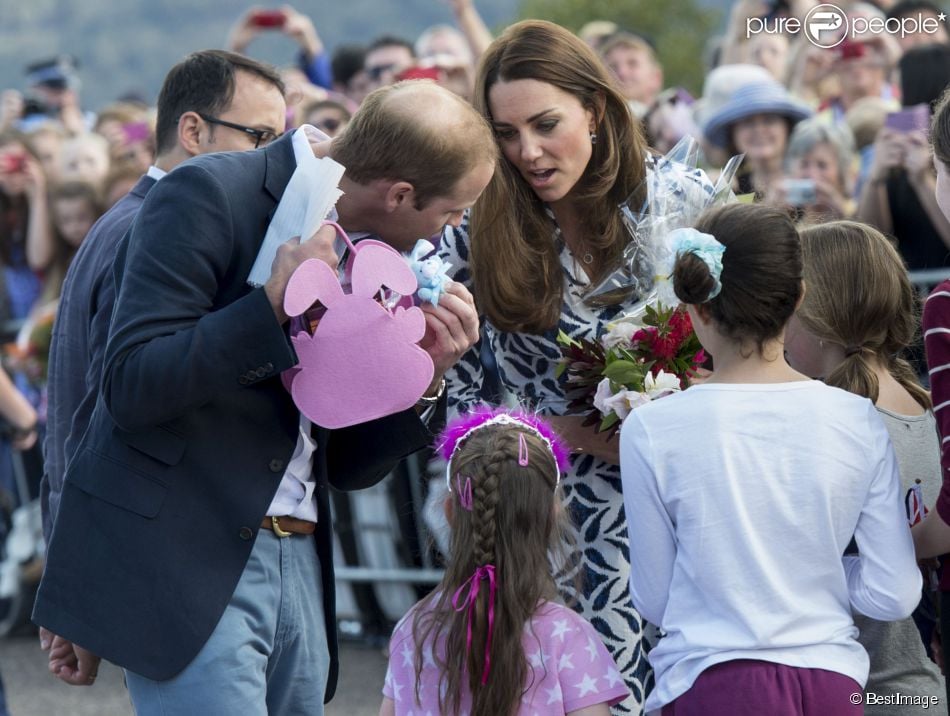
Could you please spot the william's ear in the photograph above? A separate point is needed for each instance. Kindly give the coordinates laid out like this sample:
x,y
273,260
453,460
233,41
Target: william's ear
x,y
190,127
399,194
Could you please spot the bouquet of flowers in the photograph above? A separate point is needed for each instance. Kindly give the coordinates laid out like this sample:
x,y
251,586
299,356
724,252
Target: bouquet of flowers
x,y
637,360
652,350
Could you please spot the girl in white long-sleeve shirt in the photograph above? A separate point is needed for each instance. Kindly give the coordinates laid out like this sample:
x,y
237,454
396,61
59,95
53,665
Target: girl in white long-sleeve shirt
x,y
742,494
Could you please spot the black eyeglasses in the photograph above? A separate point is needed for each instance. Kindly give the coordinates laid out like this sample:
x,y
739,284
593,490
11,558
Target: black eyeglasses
x,y
262,137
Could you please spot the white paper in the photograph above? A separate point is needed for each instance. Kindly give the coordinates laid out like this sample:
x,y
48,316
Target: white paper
x,y
311,193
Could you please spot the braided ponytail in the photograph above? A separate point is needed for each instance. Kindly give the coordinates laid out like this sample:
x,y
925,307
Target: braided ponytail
x,y
502,544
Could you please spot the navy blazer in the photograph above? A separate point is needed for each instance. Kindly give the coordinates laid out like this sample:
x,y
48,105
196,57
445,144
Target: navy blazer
x,y
192,430
79,343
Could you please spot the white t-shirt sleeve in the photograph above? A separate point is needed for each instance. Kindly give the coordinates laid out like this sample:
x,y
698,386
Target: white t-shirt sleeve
x,y
883,579
649,525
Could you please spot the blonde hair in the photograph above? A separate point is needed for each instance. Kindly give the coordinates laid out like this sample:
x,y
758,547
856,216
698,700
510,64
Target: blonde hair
x,y
858,295
387,138
516,269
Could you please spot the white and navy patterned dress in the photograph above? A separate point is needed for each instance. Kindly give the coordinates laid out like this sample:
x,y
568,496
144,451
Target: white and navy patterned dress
x,y
592,488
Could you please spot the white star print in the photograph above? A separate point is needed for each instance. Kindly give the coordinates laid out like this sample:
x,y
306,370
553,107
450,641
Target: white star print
x,y
407,655
613,678
537,659
561,629
396,689
554,695
427,658
588,685
565,662
591,648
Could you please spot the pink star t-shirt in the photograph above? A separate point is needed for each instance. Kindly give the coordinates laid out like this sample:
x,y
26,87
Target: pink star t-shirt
x,y
570,668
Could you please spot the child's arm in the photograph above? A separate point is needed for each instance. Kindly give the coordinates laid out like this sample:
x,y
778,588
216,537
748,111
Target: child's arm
x,y
883,580
388,707
649,526
595,710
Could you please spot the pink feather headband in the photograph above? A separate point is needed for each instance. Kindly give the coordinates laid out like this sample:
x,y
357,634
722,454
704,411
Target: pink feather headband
x,y
459,429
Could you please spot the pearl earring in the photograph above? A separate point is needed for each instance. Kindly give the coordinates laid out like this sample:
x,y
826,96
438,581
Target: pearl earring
x,y
593,137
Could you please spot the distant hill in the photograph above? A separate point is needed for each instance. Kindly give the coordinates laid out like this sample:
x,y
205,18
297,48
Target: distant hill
x,y
130,45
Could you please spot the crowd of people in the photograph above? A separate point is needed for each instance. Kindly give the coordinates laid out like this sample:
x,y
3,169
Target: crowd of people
x,y
740,548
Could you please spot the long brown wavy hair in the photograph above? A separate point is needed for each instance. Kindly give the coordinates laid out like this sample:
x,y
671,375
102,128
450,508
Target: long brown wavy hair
x,y
516,269
518,524
858,295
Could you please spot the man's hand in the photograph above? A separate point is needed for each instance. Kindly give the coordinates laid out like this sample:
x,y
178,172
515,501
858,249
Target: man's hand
x,y
69,662
289,256
451,329
299,28
244,30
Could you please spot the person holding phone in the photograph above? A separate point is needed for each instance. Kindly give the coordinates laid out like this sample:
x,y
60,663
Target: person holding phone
x,y
819,162
256,20
898,196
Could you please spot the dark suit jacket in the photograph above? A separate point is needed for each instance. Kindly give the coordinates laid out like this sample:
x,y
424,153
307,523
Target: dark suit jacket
x,y
79,343
192,430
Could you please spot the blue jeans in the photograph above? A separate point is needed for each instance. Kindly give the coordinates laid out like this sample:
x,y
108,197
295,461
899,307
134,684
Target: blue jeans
x,y
267,655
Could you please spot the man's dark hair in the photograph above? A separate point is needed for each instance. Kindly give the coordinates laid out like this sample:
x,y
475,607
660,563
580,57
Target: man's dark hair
x,y
912,7
347,62
203,82
391,41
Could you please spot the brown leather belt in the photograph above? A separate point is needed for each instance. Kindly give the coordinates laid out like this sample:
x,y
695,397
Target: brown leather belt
x,y
284,526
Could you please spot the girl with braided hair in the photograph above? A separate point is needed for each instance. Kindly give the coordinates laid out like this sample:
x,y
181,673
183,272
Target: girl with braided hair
x,y
492,639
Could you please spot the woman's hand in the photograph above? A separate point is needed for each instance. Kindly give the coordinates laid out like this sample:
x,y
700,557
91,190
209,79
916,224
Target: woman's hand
x,y
830,198
888,153
586,439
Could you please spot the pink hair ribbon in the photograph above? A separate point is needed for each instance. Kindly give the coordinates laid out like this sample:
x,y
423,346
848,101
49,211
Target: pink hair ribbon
x,y
486,571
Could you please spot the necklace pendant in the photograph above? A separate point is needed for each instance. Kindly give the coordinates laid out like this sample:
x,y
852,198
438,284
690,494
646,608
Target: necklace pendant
x,y
588,258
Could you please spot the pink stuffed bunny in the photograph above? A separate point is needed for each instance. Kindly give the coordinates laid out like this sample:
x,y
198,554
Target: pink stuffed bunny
x,y
363,361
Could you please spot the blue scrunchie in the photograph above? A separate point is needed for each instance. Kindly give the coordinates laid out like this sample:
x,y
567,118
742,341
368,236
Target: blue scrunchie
x,y
705,246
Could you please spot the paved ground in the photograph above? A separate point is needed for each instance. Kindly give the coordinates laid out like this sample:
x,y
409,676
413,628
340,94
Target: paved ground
x,y
32,691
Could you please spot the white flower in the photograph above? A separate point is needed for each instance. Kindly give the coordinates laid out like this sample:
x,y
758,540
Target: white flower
x,y
663,383
619,333
602,395
621,403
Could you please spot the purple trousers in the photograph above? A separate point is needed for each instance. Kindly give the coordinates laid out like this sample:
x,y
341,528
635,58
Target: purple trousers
x,y
747,687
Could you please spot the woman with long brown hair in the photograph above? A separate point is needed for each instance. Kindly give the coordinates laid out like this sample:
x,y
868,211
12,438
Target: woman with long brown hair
x,y
546,230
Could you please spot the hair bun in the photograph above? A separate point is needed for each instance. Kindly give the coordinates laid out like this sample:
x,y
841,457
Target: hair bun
x,y
692,281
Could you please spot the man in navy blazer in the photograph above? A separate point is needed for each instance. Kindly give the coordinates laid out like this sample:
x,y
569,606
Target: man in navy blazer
x,y
168,556
212,82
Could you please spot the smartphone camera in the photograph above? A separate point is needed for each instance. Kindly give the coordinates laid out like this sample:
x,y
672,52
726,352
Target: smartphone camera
x,y
269,18
800,192
13,163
